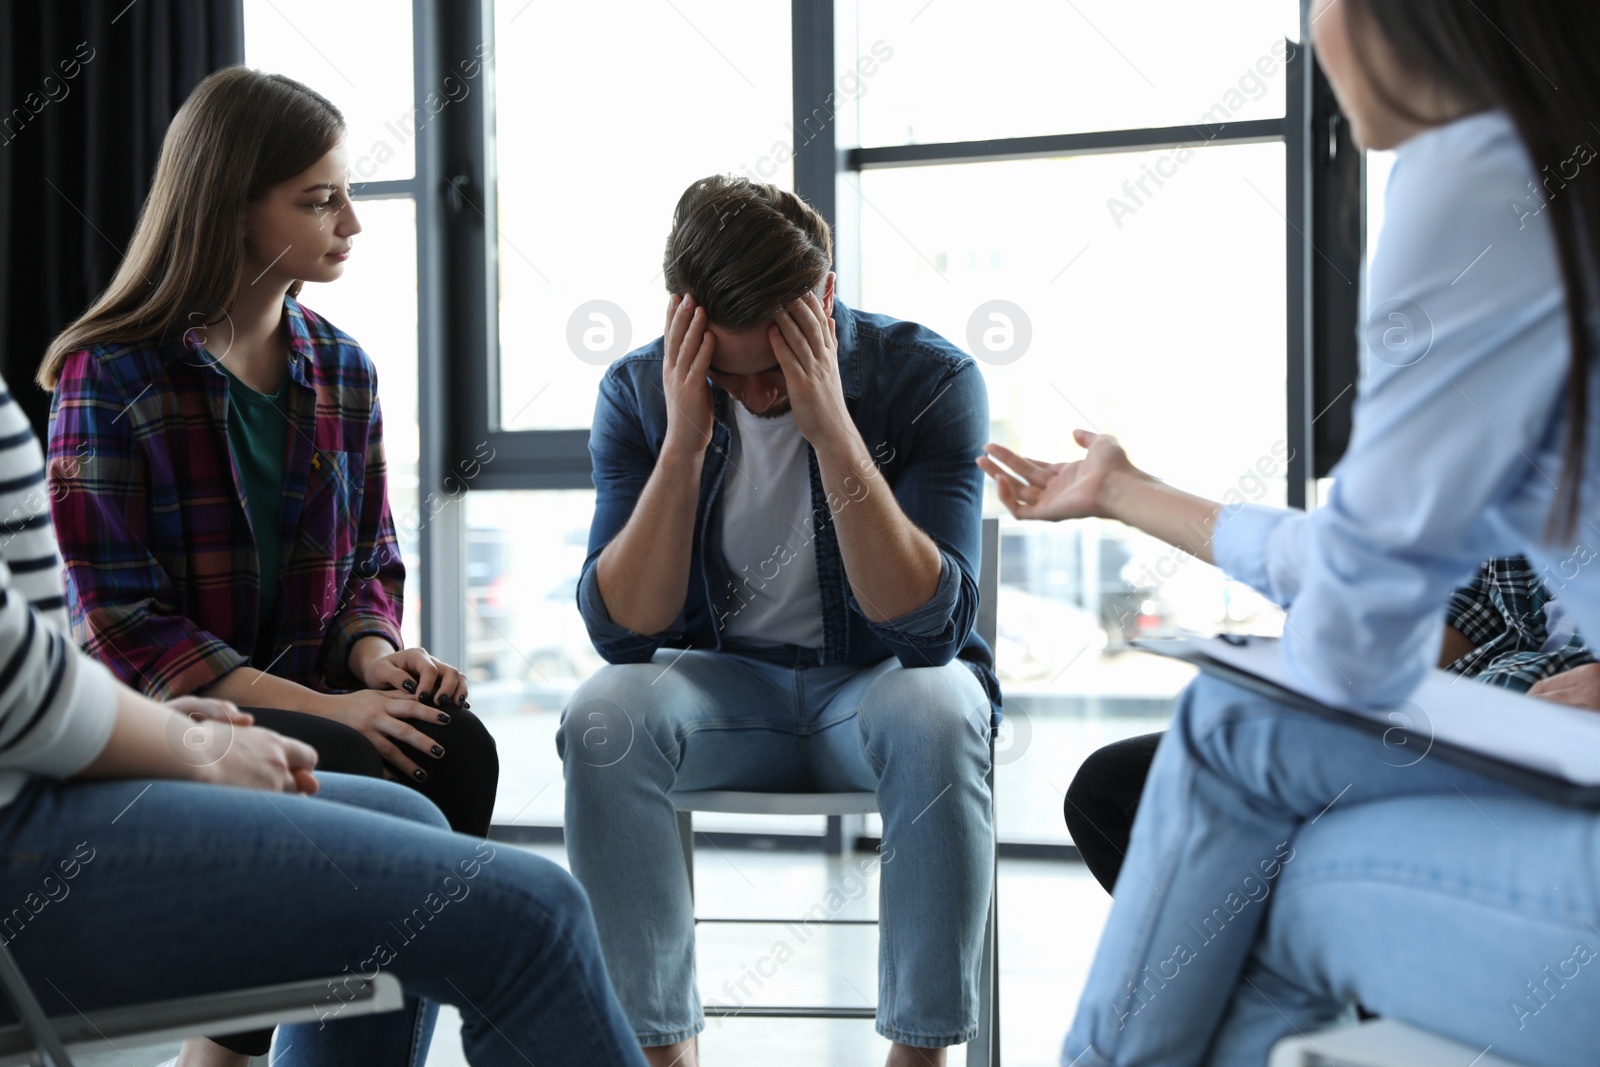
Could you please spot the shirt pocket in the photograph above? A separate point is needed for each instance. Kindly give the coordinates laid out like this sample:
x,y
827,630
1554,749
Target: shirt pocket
x,y
330,517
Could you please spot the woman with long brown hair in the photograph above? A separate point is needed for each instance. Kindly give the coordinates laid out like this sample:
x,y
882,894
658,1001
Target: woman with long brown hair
x,y
218,480
1284,868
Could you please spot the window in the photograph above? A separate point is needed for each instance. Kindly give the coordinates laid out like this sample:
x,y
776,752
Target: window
x,y
594,147
376,300
309,42
943,72
1129,282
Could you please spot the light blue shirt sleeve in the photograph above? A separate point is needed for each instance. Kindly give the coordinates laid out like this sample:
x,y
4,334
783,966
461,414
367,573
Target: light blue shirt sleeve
x,y
1464,354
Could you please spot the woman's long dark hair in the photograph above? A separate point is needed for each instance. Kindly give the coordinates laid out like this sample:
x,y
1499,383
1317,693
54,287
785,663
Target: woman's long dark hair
x,y
1535,60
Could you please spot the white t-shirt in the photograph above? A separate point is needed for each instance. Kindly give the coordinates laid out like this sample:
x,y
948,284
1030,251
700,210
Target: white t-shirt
x,y
768,534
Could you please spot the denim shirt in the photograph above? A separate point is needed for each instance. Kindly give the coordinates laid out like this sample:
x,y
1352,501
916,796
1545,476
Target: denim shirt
x,y
920,406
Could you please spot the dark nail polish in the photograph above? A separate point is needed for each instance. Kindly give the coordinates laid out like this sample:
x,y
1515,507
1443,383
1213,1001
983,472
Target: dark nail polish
x,y
409,686
420,775
436,750
444,716
426,698
466,705
446,702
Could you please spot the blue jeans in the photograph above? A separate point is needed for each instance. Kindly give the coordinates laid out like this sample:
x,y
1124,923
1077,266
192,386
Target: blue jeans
x,y
121,892
1285,867
718,720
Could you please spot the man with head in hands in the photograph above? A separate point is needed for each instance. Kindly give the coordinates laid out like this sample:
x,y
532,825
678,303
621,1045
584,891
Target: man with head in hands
x,y
782,577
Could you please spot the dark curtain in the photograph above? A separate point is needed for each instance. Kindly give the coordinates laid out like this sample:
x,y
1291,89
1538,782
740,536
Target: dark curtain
x,y
86,92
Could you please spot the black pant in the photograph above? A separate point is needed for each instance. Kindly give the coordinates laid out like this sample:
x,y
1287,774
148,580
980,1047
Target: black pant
x,y
1102,800
461,784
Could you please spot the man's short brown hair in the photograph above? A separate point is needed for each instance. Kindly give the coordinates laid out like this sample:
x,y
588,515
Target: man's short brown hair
x,y
744,249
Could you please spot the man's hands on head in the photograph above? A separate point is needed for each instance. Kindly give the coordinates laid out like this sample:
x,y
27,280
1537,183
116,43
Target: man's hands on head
x,y
1579,687
687,346
805,341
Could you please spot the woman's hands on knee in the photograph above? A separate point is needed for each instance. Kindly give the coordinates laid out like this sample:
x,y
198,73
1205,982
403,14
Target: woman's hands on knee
x,y
432,681
380,715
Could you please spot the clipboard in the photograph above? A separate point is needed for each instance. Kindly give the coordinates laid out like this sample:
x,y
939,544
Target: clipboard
x,y
1550,750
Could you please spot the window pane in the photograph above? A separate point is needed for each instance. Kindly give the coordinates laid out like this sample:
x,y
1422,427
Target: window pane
x,y
594,148
1163,324
310,41
376,303
527,648
931,70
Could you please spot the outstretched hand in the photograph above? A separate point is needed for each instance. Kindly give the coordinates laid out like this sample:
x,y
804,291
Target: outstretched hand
x,y
1034,489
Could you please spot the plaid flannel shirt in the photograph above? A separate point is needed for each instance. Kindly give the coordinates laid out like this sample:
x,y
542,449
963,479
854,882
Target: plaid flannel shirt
x,y
160,559
1502,612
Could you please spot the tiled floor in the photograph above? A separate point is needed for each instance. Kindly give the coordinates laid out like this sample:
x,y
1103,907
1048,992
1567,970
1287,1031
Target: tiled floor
x,y
1050,917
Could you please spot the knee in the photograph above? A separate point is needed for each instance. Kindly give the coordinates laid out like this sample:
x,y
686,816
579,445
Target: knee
x,y
1233,734
346,750
412,805
385,798
1083,794
606,716
544,888
932,704
1209,704
471,742
1105,791
1113,776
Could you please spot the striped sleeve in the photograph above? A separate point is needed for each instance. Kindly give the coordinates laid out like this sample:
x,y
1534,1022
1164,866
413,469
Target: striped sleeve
x,y
57,705
27,542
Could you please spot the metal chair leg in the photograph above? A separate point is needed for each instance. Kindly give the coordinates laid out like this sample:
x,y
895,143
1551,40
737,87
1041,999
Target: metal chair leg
x,y
30,1013
984,1049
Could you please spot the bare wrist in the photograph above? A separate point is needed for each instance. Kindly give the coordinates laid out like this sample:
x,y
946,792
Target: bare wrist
x,y
1114,492
367,648
844,448
681,458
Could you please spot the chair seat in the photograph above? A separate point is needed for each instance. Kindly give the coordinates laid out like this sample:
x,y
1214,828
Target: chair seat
x,y
1379,1043
741,803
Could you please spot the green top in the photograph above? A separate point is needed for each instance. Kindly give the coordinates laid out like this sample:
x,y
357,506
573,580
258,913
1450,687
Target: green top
x,y
258,431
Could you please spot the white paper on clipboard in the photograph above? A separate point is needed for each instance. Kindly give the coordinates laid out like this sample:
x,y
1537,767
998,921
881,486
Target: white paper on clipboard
x,y
1542,736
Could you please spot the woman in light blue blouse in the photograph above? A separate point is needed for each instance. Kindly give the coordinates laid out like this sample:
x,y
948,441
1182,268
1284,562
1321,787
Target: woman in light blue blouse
x,y
1283,868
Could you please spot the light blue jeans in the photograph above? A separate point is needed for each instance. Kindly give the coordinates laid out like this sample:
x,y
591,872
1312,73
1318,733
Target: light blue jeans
x,y
717,720
122,892
1285,867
